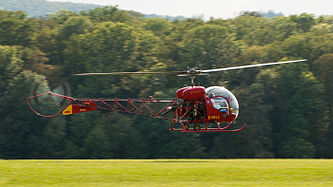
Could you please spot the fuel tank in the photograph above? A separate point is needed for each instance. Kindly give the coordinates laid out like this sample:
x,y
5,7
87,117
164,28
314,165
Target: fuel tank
x,y
180,91
191,93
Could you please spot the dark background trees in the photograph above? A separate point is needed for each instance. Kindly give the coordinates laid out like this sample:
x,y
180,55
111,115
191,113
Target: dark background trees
x,y
288,108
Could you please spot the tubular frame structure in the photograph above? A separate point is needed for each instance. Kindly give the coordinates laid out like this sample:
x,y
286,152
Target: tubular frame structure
x,y
132,106
156,108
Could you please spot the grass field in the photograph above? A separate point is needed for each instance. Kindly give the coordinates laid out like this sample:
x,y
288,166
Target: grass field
x,y
239,172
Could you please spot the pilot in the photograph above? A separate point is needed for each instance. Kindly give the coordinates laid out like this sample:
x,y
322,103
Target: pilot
x,y
211,95
217,105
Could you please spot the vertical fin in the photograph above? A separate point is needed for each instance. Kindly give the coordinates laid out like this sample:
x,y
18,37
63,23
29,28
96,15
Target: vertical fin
x,y
68,110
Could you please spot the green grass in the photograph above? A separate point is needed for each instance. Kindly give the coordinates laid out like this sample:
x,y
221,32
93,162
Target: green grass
x,y
239,172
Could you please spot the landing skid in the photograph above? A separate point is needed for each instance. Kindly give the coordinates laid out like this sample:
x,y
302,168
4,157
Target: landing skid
x,y
185,128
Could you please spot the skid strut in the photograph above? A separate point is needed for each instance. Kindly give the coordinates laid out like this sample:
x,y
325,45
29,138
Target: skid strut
x,y
218,128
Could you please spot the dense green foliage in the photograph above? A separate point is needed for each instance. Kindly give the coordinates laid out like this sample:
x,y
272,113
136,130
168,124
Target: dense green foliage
x,y
288,108
37,8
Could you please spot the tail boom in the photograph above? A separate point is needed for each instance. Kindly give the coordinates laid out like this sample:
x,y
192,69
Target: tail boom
x,y
148,107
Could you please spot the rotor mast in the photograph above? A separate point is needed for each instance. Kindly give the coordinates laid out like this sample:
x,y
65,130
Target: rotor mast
x,y
192,77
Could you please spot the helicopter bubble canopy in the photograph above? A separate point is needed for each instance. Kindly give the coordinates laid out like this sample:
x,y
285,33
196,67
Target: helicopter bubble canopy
x,y
214,91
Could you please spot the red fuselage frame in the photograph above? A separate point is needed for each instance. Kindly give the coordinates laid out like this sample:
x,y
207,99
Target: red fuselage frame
x,y
201,113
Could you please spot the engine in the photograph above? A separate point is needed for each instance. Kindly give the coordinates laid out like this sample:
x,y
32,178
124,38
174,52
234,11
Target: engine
x,y
192,103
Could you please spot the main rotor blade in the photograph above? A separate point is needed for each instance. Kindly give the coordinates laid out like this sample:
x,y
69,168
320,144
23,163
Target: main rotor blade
x,y
250,66
191,72
132,73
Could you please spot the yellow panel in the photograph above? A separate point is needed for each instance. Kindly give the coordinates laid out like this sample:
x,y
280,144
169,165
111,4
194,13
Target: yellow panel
x,y
68,110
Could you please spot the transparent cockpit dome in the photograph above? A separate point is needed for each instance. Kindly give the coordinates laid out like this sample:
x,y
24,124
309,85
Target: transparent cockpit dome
x,y
221,91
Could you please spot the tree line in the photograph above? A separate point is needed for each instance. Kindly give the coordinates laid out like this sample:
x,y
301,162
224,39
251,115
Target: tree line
x,y
37,8
288,108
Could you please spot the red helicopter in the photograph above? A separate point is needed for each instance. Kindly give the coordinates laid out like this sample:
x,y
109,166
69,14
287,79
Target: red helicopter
x,y
196,108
